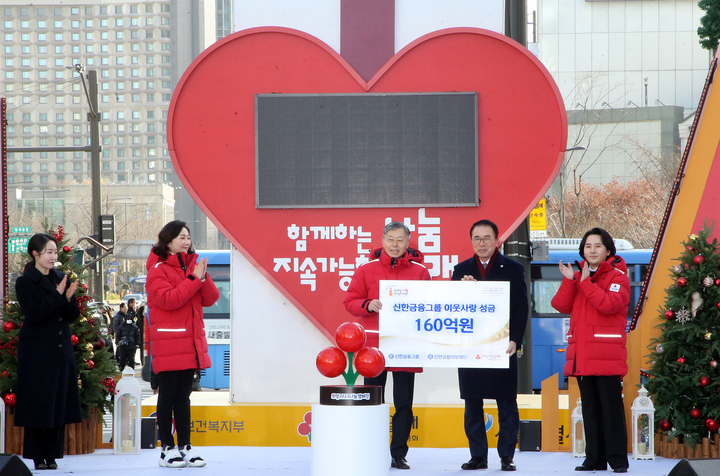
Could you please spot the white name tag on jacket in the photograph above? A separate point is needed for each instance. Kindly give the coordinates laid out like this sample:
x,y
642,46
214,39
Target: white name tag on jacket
x,y
615,287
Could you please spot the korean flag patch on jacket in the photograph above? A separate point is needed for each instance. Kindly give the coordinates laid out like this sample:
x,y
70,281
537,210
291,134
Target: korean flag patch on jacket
x,y
615,287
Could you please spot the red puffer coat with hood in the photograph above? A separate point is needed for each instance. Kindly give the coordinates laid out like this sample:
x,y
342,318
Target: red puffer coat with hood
x,y
176,299
598,308
365,286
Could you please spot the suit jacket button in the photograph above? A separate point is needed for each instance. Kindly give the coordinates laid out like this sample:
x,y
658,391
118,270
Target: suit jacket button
x,y
59,319
60,332
59,345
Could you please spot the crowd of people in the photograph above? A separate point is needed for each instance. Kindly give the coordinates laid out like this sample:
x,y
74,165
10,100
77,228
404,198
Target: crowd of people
x,y
596,296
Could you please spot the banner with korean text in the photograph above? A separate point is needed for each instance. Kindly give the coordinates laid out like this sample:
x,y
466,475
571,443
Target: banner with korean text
x,y
445,323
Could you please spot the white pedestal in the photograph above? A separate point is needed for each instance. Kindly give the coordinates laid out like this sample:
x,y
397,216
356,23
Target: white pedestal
x,y
350,440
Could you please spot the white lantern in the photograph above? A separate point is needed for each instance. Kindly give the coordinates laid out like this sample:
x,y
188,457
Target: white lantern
x,y
128,410
578,431
2,426
643,426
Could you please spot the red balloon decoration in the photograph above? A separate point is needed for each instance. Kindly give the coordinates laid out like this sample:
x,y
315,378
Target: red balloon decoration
x,y
712,425
9,399
350,336
695,413
682,282
704,381
331,362
665,425
66,249
370,362
74,339
698,260
681,360
8,326
669,314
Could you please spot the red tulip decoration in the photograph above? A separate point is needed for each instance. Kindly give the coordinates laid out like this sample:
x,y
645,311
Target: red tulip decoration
x,y
331,362
370,362
350,337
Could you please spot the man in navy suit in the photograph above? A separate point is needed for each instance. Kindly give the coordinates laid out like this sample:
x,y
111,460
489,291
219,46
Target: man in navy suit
x,y
487,264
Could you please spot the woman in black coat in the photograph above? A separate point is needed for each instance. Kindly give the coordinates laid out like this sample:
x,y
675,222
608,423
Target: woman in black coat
x,y
47,391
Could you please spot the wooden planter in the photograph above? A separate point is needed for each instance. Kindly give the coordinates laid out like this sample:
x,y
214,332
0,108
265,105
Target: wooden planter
x,y
677,450
80,438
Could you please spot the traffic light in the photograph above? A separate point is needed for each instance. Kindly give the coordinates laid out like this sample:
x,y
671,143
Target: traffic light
x,y
107,230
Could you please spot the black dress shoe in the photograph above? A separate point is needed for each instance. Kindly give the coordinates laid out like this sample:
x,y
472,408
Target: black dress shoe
x,y
399,463
507,464
620,470
40,464
475,463
584,467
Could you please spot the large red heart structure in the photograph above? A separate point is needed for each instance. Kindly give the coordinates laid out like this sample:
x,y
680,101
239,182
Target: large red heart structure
x,y
310,254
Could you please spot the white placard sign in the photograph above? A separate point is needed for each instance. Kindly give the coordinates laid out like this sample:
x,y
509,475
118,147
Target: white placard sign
x,y
445,323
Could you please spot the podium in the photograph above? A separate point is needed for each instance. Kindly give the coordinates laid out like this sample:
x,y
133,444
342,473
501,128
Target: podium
x,y
350,432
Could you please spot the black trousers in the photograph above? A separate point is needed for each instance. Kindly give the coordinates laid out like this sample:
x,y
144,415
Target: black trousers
x,y
174,388
508,420
402,420
604,419
126,356
45,444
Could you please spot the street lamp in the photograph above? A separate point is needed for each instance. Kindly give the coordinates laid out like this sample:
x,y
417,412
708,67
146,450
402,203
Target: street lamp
x,y
43,197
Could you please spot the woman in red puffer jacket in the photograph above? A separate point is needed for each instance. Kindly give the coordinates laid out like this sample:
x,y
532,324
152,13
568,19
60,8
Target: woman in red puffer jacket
x,y
178,288
597,298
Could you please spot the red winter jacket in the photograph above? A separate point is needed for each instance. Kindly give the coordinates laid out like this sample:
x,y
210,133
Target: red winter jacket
x,y
176,299
365,285
598,309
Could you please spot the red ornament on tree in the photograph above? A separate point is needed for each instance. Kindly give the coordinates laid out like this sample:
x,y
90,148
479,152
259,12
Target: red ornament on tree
x,y
669,314
665,425
717,282
698,260
8,326
681,360
66,249
100,343
682,282
9,400
90,364
74,339
704,381
712,425
695,413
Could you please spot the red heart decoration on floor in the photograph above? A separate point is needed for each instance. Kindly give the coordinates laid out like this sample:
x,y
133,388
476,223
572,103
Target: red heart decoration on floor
x,y
310,254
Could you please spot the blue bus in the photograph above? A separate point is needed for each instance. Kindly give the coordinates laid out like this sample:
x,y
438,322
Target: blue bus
x,y
217,322
549,328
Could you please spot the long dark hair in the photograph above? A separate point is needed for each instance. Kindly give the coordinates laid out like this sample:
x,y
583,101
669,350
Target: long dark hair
x,y
605,237
168,233
38,242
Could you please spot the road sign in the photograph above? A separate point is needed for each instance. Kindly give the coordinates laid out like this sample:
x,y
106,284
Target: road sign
x,y
538,217
18,244
21,229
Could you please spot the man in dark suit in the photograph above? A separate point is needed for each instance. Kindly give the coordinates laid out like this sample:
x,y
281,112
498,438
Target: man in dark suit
x,y
487,264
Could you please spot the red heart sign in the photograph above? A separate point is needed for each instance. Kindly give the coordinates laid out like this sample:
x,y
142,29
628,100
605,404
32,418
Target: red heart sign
x,y
310,254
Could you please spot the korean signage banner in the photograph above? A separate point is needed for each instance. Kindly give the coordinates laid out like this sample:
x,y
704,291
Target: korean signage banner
x,y
445,323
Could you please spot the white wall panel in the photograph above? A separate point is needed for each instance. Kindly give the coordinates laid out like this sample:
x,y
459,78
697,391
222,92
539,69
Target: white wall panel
x,y
616,49
666,51
666,89
650,51
320,18
583,48
666,15
415,18
600,18
599,51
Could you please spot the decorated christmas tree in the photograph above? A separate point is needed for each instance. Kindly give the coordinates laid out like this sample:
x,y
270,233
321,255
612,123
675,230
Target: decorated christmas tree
x,y
684,378
94,363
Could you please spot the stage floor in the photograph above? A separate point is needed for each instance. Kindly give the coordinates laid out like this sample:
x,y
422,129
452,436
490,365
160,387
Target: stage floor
x,y
291,461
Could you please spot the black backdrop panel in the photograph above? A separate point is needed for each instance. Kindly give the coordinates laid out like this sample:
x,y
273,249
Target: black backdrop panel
x,y
366,150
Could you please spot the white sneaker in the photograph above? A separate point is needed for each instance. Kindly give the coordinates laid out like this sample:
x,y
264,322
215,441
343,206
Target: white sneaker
x,y
170,457
192,458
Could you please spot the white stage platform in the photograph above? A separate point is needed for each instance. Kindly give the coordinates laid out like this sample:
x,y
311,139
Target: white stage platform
x,y
292,461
